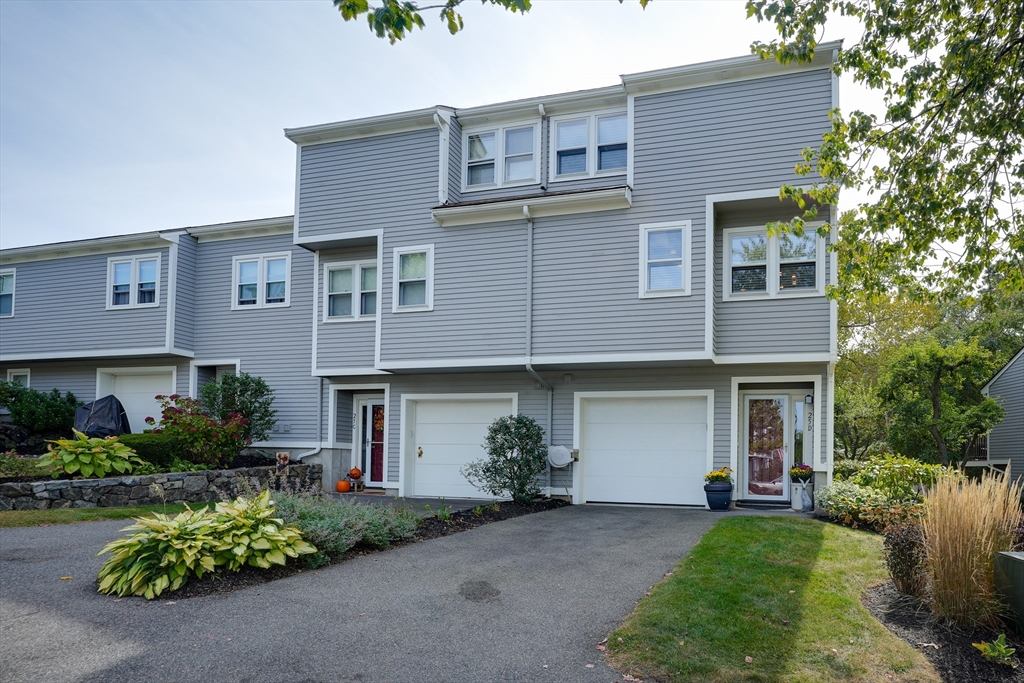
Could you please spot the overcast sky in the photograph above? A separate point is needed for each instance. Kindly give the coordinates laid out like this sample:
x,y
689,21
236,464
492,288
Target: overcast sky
x,y
120,117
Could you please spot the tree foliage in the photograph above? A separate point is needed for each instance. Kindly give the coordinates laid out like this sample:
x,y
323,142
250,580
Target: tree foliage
x,y
516,456
944,162
394,20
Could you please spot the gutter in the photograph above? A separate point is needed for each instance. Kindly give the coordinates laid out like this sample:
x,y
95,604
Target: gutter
x,y
319,423
529,333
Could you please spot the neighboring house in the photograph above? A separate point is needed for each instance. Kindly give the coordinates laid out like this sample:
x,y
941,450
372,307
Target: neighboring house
x,y
597,260
1005,443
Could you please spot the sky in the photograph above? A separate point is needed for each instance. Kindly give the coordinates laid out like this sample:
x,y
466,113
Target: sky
x,y
122,117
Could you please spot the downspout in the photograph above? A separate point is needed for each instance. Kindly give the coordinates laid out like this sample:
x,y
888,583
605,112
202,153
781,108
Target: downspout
x,y
529,332
319,423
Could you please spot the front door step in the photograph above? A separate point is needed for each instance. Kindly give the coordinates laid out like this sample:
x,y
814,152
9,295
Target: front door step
x,y
762,505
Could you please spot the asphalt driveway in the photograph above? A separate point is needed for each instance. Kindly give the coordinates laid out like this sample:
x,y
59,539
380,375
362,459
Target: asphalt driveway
x,y
527,599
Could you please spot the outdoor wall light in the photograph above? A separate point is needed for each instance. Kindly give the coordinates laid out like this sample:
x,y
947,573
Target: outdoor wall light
x,y
809,399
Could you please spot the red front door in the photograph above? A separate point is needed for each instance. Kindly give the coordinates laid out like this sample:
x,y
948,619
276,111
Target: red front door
x,y
373,442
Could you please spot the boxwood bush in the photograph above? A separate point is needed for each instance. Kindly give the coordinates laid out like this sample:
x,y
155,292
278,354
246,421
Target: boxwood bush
x,y
36,411
159,449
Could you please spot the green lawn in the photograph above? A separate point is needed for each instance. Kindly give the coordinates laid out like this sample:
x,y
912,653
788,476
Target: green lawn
x,y
13,518
782,591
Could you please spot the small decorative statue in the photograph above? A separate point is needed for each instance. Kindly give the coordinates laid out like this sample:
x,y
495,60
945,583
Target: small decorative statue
x,y
282,463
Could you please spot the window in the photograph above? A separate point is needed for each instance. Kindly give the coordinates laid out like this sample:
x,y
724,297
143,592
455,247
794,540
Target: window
x,y
351,291
413,279
590,145
665,259
6,293
19,376
501,156
761,266
261,281
133,282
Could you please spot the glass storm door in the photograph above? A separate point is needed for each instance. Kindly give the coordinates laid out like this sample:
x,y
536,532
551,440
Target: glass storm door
x,y
766,436
372,423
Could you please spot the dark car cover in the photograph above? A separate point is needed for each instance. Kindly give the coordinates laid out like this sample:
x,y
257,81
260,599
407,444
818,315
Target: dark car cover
x,y
103,417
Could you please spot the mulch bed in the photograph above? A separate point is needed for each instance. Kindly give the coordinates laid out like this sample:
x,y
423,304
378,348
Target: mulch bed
x,y
431,527
955,658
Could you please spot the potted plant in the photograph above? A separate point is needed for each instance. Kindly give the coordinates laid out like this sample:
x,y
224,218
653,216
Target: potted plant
x,y
718,488
801,498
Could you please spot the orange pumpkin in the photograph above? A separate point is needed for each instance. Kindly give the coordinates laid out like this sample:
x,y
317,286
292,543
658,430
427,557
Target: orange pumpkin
x,y
355,473
343,486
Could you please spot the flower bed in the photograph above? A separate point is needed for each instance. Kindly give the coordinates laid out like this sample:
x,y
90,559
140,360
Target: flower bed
x,y
152,489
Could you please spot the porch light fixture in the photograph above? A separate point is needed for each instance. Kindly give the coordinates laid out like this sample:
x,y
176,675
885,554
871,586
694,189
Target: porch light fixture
x,y
809,399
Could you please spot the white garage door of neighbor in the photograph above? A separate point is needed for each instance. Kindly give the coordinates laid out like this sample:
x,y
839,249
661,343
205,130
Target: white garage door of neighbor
x,y
646,450
451,434
136,392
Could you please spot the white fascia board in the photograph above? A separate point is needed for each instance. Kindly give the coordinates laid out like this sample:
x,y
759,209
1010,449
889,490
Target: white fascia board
x,y
639,357
95,353
281,225
335,240
539,207
101,245
723,71
347,372
754,358
441,363
554,105
370,126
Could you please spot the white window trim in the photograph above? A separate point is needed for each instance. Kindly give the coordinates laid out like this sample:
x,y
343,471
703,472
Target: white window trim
x,y
14,275
645,228
357,281
592,171
11,372
773,291
261,281
499,155
133,291
429,306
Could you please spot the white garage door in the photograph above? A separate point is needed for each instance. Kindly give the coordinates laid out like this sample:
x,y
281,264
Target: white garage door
x,y
645,450
451,434
136,393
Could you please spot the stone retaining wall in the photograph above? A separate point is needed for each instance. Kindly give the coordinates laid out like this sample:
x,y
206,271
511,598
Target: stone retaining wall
x,y
153,489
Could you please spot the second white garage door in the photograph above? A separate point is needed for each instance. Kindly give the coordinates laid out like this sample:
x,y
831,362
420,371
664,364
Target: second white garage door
x,y
645,449
136,388
450,434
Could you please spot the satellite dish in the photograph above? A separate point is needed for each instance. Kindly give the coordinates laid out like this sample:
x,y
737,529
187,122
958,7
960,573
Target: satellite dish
x,y
559,456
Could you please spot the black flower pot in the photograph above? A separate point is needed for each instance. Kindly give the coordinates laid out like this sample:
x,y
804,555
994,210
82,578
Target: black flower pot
x,y
719,494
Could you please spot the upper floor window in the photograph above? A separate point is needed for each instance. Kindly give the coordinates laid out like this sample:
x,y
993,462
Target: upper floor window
x,y
20,376
413,279
783,265
133,281
261,281
589,145
501,156
665,259
351,292
6,293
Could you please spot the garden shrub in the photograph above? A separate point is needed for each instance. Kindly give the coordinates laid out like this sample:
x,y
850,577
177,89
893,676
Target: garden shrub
x,y
516,456
856,505
90,457
845,468
898,477
201,439
337,526
36,411
244,394
13,465
905,558
159,449
164,552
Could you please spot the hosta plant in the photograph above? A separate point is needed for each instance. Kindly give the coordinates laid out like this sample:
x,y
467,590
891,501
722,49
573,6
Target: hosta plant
x,y
89,457
248,533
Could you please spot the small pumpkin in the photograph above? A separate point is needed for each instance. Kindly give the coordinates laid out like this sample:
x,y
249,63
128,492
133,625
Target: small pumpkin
x,y
343,486
355,473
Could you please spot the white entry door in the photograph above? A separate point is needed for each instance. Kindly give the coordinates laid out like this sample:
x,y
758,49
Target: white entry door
x,y
447,435
644,449
767,450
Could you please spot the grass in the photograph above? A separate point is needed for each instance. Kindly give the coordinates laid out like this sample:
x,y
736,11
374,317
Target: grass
x,y
784,592
14,518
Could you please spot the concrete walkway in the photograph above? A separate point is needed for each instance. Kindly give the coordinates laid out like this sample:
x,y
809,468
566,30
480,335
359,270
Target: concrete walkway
x,y
527,599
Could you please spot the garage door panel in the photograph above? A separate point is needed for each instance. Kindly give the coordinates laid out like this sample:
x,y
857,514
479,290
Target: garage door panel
x,y
137,393
450,433
636,490
461,412
638,411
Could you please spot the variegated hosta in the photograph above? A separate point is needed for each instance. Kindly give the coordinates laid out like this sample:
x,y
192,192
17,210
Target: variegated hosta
x,y
164,552
90,457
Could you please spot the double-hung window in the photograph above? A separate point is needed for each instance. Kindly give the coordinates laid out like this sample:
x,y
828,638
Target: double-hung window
x,y
665,259
413,279
133,281
589,145
20,376
501,156
351,291
757,265
6,293
261,281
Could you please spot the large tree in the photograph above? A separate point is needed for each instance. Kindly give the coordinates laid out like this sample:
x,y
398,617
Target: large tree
x,y
943,164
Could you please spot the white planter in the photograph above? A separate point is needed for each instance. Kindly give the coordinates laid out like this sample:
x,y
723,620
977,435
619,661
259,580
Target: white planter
x,y
796,496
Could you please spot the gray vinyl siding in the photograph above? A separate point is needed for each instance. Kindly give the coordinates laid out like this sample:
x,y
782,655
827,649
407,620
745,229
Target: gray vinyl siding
x,y
185,293
273,343
60,307
79,376
345,344
384,182
455,162
1006,441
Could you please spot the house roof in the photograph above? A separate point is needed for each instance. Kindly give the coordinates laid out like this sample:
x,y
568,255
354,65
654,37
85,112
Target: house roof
x,y
1016,357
